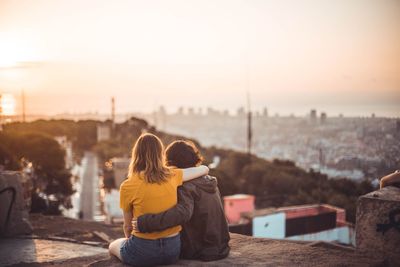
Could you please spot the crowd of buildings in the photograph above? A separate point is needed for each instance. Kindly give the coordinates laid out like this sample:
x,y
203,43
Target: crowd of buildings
x,y
351,147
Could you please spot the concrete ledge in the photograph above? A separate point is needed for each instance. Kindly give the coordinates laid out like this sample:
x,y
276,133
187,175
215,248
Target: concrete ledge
x,y
29,251
249,251
378,224
246,250
15,188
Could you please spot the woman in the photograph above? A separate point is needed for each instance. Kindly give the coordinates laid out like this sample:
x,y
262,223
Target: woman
x,y
151,187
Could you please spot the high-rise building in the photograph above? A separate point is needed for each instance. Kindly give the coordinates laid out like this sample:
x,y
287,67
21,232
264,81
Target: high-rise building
x,y
212,112
103,132
162,117
313,115
265,112
180,111
240,112
191,111
323,117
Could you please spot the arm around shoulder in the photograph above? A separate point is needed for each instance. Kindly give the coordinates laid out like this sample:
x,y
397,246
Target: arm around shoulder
x,y
194,172
177,215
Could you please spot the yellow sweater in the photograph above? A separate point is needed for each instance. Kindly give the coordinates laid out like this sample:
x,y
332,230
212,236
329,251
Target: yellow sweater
x,y
141,197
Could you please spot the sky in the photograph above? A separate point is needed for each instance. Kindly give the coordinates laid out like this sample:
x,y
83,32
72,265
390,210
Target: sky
x,y
339,56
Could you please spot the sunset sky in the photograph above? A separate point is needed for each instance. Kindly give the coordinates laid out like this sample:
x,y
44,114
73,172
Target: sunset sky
x,y
292,55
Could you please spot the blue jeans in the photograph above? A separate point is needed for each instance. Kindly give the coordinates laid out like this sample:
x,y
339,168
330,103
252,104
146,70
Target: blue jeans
x,y
146,252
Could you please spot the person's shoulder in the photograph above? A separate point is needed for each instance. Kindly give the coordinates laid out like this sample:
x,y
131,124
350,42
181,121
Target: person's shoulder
x,y
202,179
130,182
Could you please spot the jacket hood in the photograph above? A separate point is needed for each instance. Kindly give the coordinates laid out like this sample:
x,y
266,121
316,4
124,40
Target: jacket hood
x,y
206,183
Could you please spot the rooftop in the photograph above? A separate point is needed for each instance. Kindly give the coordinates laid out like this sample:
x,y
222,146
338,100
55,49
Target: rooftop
x,y
294,211
239,196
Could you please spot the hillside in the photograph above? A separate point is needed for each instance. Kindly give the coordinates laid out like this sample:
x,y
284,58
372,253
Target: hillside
x,y
274,183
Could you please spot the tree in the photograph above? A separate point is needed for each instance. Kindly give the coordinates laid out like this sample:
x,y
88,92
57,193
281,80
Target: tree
x,y
47,158
7,159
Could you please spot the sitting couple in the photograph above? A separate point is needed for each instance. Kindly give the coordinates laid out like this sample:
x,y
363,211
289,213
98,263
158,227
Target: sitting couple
x,y
161,195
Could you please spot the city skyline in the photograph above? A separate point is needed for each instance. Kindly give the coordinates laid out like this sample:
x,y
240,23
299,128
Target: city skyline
x,y
13,106
292,56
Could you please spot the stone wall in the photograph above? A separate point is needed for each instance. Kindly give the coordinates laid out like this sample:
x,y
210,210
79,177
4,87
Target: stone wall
x,y
378,225
14,203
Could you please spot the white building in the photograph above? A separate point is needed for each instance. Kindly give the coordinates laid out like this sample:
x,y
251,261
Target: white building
x,y
67,146
319,222
103,132
111,206
120,168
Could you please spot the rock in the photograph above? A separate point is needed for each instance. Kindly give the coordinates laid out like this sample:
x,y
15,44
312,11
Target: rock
x,y
378,225
14,204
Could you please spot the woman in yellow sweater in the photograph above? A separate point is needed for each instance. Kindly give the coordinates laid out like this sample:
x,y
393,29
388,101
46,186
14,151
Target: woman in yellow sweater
x,y
151,187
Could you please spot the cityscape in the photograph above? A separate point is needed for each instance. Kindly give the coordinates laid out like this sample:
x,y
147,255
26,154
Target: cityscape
x,y
342,147
352,147
199,133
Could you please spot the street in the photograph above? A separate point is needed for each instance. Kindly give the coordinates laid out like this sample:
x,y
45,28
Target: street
x,y
89,203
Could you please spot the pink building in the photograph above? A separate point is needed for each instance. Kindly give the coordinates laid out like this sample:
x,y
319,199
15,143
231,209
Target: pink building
x,y
236,204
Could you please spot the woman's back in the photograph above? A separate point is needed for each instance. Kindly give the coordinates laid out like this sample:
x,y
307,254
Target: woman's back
x,y
144,197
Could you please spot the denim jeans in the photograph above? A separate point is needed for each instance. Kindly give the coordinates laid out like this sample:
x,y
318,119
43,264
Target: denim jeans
x,y
146,252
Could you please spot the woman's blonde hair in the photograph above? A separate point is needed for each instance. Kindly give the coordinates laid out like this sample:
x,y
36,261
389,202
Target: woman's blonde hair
x,y
148,159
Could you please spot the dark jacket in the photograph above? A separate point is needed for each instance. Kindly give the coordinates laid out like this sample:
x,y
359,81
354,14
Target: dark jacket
x,y
205,234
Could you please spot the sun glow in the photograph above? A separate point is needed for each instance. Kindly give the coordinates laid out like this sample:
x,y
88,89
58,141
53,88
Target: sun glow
x,y
14,50
7,105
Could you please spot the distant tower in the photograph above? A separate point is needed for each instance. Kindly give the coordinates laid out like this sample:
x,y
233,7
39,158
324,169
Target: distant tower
x,y
249,127
321,157
23,106
113,110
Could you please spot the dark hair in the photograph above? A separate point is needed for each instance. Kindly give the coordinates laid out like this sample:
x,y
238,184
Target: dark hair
x,y
183,154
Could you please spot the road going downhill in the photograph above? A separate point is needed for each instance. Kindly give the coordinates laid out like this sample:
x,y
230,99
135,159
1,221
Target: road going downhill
x,y
89,195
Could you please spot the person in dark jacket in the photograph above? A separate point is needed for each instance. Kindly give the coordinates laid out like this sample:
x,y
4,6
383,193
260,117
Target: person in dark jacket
x,y
205,234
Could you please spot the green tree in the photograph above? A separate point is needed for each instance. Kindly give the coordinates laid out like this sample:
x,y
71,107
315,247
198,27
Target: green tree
x,y
47,157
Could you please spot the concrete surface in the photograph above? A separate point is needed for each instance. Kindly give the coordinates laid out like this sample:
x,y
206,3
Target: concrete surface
x,y
250,251
17,251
